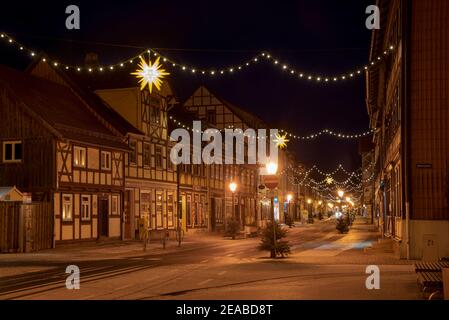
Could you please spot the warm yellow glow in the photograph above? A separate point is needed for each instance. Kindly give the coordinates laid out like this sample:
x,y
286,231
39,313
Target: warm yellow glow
x,y
309,201
281,141
233,186
330,205
272,168
329,180
320,203
150,74
341,193
289,197
348,199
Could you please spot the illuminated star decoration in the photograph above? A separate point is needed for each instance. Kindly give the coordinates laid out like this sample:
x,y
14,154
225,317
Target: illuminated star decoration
x,y
281,141
150,74
329,180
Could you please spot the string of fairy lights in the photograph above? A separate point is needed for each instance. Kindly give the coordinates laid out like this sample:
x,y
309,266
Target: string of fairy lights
x,y
333,185
217,71
328,184
305,137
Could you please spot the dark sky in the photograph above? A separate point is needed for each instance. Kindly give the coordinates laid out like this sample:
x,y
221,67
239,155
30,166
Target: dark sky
x,y
319,37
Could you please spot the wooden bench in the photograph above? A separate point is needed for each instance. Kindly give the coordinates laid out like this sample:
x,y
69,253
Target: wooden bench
x,y
431,266
431,283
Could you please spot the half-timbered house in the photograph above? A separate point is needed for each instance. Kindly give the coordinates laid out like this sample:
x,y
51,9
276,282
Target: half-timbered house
x,y
57,148
222,114
200,185
150,176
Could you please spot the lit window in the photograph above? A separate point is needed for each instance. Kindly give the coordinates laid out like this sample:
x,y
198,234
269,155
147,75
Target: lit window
x,y
12,151
79,157
85,207
105,160
67,207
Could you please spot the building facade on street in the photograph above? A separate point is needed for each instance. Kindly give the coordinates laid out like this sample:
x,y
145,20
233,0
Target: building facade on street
x,y
252,206
150,177
407,104
56,148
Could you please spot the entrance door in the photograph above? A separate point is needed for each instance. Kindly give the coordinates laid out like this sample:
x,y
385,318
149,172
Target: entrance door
x,y
103,221
127,217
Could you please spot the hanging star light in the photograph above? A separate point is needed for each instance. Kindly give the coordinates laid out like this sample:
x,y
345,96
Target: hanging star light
x,y
150,74
329,180
281,141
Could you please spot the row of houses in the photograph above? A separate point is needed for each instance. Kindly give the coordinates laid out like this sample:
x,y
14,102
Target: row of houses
x,y
98,151
407,187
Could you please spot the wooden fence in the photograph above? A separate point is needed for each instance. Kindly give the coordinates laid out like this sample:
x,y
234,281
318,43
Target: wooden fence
x,y
25,227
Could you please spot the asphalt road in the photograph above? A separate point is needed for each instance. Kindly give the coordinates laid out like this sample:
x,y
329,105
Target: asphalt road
x,y
323,265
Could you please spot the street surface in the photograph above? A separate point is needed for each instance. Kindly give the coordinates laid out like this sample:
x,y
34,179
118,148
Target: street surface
x,y
323,265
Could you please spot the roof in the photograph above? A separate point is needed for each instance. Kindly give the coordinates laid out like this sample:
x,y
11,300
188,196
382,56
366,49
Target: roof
x,y
377,47
7,192
185,117
59,108
248,118
99,106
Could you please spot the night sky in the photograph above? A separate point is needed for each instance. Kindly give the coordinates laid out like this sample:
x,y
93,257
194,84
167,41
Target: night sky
x,y
320,37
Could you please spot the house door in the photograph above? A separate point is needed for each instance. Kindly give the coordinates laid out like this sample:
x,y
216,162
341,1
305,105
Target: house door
x,y
103,222
127,217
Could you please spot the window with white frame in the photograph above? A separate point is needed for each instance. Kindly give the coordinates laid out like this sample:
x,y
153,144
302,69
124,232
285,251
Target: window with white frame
x,y
79,157
12,151
67,207
105,160
85,207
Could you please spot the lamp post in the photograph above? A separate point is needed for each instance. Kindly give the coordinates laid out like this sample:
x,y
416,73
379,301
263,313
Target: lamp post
x,y
272,183
310,217
320,213
289,199
233,188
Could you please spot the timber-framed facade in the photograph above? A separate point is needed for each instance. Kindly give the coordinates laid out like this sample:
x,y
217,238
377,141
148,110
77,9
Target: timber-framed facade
x,y
69,156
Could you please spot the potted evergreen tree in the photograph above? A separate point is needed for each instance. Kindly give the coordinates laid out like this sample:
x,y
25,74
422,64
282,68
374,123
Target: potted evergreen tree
x,y
278,248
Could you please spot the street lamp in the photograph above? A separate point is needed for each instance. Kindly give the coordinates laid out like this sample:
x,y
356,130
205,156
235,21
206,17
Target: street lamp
x,y
233,188
310,217
272,168
341,193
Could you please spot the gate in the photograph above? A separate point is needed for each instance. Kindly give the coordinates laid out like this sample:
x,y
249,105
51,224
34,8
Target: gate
x,y
25,227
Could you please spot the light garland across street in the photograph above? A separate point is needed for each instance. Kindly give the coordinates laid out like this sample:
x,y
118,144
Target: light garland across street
x,y
213,72
315,135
